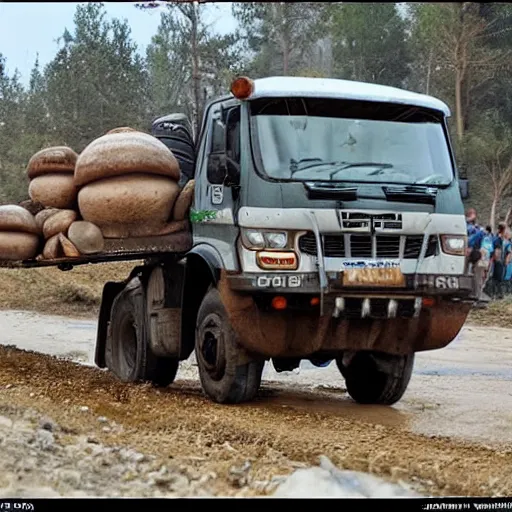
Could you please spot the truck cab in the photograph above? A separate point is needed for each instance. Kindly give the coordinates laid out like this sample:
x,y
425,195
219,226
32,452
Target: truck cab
x,y
328,225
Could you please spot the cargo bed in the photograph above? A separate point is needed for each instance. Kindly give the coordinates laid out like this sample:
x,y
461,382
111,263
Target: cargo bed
x,y
172,245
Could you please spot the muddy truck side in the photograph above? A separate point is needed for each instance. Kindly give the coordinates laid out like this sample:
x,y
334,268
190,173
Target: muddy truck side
x,y
327,226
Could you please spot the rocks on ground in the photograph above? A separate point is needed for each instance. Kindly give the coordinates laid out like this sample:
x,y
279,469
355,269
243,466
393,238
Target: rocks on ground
x,y
40,459
327,481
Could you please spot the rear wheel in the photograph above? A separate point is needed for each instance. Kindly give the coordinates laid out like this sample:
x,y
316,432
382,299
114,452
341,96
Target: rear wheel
x,y
127,353
224,378
377,378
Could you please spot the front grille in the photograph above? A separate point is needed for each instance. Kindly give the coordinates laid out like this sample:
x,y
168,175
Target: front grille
x,y
334,245
412,247
388,246
361,246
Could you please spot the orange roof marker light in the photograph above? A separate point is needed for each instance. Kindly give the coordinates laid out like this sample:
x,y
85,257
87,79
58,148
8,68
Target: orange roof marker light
x,y
242,87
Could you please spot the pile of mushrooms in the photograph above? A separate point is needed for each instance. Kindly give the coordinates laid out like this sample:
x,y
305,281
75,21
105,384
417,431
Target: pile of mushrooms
x,y
123,185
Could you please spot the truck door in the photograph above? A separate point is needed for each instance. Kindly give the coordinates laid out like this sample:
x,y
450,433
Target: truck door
x,y
217,183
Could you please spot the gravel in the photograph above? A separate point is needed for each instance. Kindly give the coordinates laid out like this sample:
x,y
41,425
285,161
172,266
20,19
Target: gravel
x,y
39,459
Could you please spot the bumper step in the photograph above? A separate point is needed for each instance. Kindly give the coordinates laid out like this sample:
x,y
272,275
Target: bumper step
x,y
377,308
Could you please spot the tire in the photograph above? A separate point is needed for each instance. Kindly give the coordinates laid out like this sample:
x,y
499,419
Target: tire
x,y
368,384
162,371
128,353
217,351
184,152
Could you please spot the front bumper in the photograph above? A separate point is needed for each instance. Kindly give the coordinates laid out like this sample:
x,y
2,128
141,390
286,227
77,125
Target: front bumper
x,y
458,287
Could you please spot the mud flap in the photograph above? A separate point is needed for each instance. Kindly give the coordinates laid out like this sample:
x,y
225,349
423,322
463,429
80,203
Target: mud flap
x,y
164,295
110,291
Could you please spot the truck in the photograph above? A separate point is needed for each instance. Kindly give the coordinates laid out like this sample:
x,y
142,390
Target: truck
x,y
327,225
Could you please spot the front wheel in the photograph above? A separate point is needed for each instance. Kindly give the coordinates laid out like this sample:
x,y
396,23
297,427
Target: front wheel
x,y
224,378
377,378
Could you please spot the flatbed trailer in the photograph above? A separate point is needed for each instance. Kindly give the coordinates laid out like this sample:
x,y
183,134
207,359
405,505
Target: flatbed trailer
x,y
171,246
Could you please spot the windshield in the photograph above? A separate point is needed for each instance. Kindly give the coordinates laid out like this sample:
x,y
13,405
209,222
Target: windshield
x,y
308,139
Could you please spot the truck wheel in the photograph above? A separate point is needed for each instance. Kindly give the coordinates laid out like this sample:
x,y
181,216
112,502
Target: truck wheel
x,y
127,352
223,379
375,378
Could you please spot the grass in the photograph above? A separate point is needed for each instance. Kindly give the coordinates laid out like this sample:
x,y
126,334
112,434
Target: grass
x,y
50,290
78,292
497,314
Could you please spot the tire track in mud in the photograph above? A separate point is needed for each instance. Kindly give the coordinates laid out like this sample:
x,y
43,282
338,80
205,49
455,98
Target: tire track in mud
x,y
178,423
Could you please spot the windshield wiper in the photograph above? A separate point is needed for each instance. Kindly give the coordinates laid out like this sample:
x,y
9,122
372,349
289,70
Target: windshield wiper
x,y
411,194
326,190
294,164
318,162
362,164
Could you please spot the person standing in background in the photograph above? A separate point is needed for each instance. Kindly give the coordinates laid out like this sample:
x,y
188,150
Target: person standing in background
x,y
507,278
486,250
474,255
501,257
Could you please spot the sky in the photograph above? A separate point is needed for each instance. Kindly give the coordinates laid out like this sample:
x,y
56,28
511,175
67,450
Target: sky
x,y
28,29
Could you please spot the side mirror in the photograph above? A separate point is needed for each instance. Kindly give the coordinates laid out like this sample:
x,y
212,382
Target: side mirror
x,y
217,170
464,188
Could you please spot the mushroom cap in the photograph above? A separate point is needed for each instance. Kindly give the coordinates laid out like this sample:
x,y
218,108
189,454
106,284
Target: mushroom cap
x,y
121,129
86,237
184,201
17,246
119,154
53,249
52,160
58,223
43,215
17,218
54,190
68,247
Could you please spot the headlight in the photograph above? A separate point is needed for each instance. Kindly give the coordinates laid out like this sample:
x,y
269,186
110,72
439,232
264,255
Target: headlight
x,y
276,240
454,244
254,239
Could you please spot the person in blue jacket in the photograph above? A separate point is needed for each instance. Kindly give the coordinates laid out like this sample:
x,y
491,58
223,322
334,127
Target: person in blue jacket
x,y
502,250
474,255
507,278
487,252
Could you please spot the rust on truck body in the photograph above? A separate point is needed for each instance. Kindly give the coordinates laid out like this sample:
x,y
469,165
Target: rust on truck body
x,y
278,334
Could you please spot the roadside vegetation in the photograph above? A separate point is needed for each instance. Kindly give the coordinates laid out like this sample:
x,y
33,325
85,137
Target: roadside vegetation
x,y
78,292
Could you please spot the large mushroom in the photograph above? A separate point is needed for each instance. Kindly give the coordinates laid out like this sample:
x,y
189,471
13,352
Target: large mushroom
x,y
128,184
51,175
19,234
184,201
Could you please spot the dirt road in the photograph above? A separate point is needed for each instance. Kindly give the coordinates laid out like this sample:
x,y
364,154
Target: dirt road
x,y
450,435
